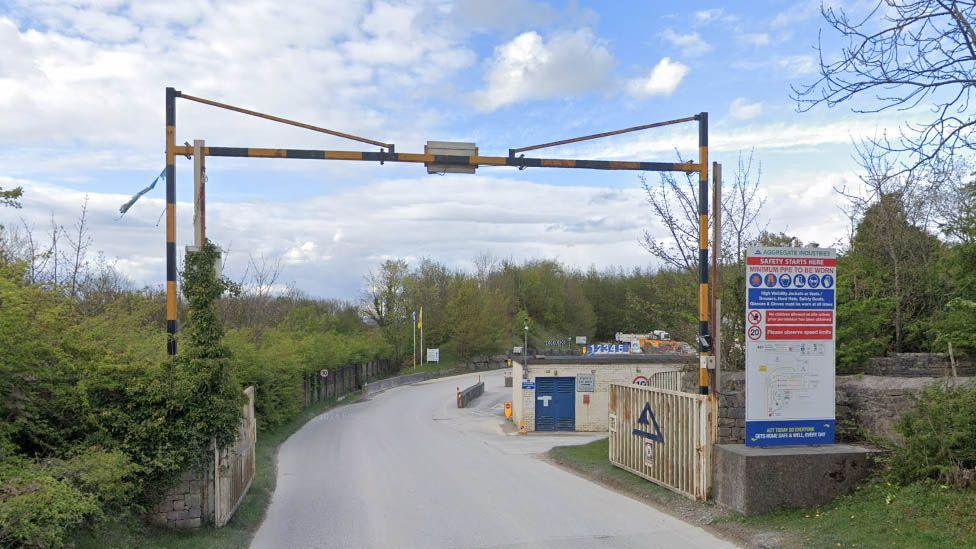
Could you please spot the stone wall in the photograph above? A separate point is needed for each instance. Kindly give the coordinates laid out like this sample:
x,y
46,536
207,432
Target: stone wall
x,y
732,408
866,406
918,365
187,504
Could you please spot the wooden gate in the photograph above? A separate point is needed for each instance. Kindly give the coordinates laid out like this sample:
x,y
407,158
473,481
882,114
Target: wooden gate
x,y
664,436
235,466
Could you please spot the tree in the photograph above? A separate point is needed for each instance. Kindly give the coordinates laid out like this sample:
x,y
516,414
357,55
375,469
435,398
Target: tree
x,y
11,197
891,266
898,55
384,303
674,204
477,319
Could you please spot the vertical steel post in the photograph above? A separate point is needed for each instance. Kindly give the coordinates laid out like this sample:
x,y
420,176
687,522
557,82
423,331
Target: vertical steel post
x,y
171,95
716,262
199,194
704,337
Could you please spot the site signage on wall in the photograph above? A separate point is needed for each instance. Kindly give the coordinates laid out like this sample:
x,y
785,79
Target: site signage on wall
x,y
608,348
585,382
790,325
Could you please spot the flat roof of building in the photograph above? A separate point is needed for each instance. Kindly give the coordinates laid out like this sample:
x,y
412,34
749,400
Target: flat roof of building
x,y
542,360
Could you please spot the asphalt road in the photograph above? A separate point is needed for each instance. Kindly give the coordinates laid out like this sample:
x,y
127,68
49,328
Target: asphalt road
x,y
408,469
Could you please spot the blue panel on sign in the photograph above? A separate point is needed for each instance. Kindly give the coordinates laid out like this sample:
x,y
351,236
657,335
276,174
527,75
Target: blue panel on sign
x,y
528,385
770,298
803,432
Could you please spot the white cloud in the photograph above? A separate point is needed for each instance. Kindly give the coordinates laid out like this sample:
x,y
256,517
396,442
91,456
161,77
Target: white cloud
x,y
757,39
709,15
90,76
797,13
528,68
663,79
743,109
451,218
774,136
497,14
691,44
792,65
797,65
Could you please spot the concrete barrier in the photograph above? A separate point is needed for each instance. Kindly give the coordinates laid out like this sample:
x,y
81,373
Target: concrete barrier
x,y
374,387
466,396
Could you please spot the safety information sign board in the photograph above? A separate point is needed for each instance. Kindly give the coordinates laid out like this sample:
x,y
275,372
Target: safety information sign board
x,y
790,326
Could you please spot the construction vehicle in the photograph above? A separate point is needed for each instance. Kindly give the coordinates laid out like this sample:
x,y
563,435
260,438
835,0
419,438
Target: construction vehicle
x,y
657,341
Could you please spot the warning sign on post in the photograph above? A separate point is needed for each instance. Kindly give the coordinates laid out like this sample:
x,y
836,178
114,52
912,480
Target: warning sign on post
x,y
790,327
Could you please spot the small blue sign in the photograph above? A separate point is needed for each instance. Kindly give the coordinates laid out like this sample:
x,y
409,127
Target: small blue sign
x,y
813,281
801,432
755,280
784,280
770,280
526,384
799,281
827,281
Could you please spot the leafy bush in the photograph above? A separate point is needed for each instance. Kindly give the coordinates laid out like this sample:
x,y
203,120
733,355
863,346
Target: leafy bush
x,y
109,476
863,331
37,509
958,326
939,436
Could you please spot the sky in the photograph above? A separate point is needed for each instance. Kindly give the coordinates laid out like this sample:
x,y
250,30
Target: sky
x,y
82,97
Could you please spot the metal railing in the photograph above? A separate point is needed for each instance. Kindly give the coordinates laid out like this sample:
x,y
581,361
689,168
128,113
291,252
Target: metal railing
x,y
668,379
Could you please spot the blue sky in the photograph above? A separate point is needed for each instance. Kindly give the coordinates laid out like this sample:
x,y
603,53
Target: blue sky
x,y
81,113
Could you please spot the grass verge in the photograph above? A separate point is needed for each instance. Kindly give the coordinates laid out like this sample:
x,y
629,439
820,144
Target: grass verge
x,y
132,532
876,514
880,514
590,461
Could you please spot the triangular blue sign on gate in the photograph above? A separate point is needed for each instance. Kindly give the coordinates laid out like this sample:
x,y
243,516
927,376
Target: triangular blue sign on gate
x,y
647,418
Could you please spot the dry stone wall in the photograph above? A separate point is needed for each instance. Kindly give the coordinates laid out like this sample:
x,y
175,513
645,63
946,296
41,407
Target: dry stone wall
x,y
918,365
188,504
867,406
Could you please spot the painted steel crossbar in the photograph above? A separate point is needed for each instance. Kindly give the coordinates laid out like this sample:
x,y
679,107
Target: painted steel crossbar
x,y
312,154
390,155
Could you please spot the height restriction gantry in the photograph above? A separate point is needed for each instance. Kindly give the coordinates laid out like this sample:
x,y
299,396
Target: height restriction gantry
x,y
387,153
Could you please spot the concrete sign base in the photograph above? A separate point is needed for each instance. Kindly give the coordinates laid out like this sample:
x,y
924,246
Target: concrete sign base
x,y
755,481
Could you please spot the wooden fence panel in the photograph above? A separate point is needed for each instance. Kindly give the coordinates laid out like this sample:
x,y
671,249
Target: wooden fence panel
x,y
235,466
663,435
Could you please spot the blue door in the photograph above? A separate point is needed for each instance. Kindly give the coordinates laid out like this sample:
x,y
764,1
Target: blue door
x,y
555,404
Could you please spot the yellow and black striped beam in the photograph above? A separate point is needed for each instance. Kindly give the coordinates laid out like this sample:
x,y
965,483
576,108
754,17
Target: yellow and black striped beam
x,y
170,222
307,154
704,338
389,155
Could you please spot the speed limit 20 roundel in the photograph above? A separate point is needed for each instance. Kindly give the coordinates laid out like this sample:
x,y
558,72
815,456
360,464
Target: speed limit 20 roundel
x,y
640,380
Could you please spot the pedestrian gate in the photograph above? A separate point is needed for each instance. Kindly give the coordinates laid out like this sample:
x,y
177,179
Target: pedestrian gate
x,y
664,436
555,404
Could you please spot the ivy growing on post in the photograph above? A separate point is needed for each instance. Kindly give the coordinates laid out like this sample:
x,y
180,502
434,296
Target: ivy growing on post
x,y
202,368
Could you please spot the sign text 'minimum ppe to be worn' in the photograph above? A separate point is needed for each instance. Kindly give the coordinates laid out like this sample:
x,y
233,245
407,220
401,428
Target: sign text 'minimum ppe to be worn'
x,y
790,324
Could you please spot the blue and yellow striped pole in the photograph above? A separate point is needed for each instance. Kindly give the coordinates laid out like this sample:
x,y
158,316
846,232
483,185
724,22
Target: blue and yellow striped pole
x,y
170,221
704,338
